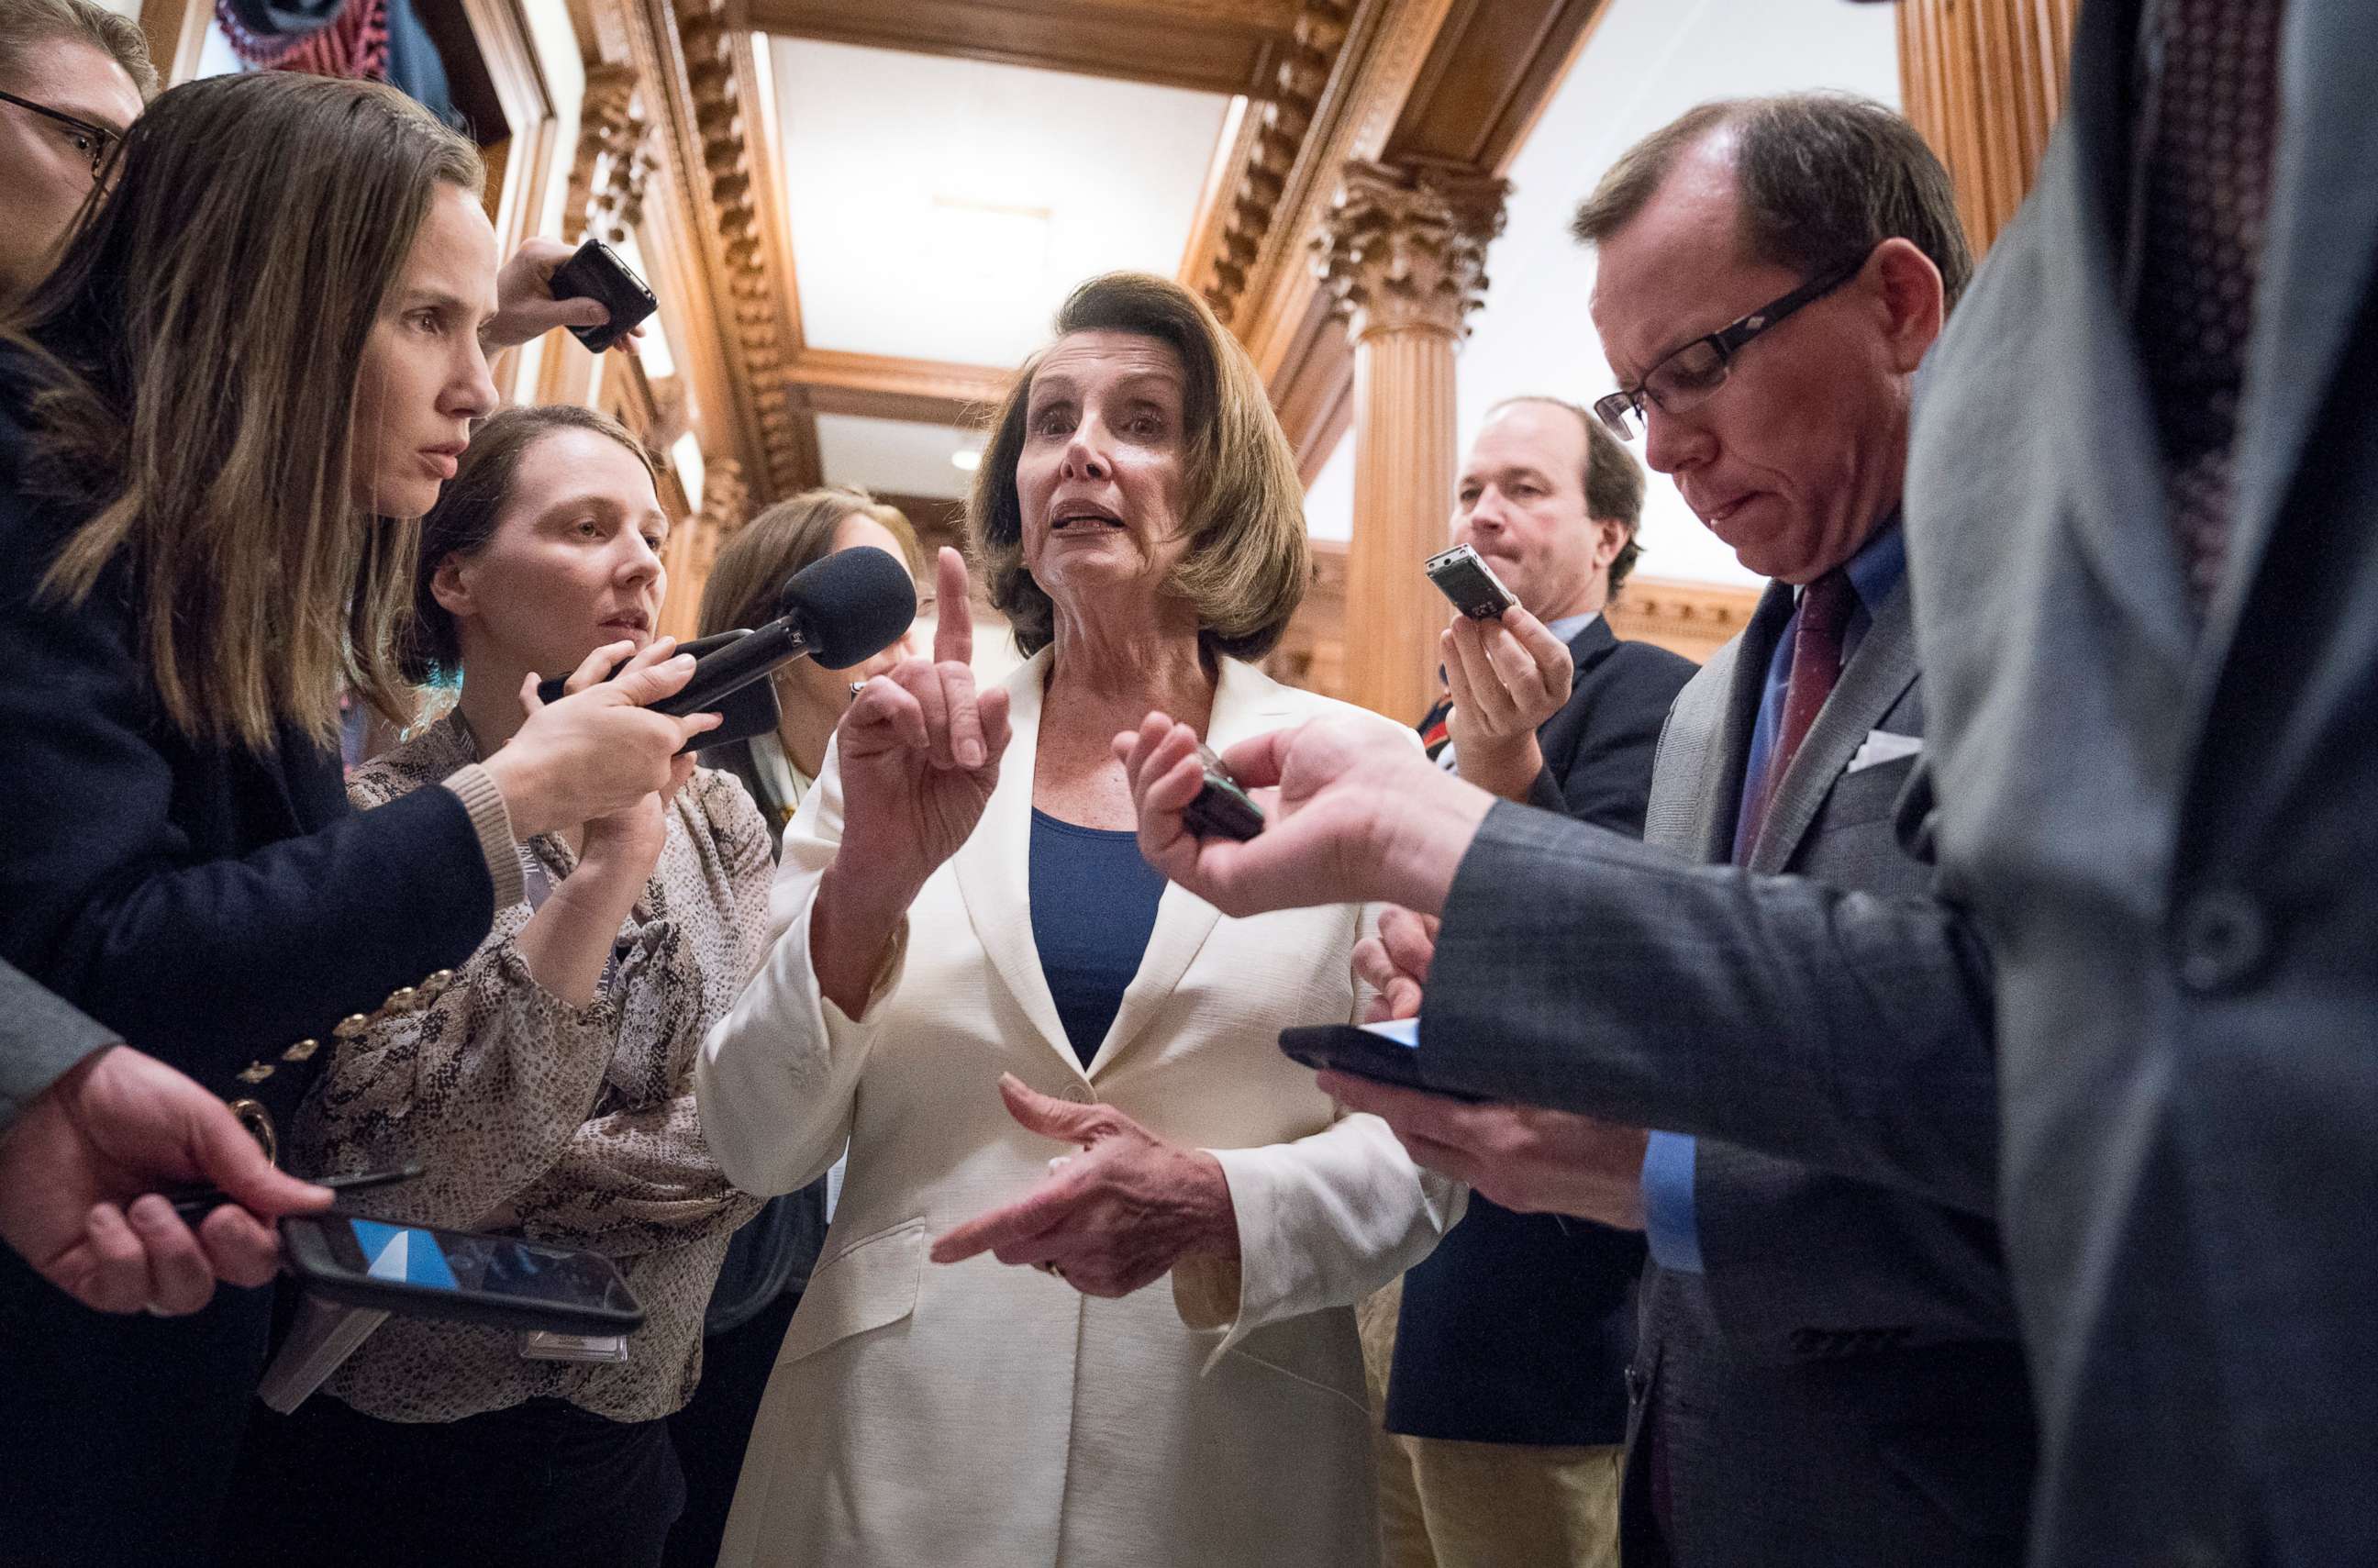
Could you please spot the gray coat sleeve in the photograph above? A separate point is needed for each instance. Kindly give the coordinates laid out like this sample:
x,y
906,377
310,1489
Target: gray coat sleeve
x,y
1581,969
41,1038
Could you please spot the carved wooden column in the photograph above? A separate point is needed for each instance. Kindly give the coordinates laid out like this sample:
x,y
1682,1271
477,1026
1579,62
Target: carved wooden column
x,y
1984,81
1403,255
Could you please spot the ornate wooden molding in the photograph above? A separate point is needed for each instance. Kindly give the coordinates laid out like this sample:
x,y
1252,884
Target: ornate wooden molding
x,y
1404,247
683,52
1264,155
614,159
1984,81
929,392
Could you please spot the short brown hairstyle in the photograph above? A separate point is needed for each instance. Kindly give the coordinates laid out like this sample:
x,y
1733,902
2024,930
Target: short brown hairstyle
x,y
1613,481
467,512
27,24
1824,178
792,535
1247,562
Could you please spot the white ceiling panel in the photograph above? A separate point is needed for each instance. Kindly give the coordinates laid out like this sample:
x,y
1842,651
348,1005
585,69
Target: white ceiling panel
x,y
942,208
895,455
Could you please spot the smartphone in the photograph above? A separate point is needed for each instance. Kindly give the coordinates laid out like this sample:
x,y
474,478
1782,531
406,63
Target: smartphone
x,y
1470,583
746,711
596,271
1221,810
1385,1053
417,1271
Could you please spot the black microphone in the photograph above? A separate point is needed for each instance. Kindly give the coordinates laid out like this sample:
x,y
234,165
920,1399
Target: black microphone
x,y
840,610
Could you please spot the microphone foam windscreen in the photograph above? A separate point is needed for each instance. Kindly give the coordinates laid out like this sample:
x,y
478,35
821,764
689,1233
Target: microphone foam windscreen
x,y
851,605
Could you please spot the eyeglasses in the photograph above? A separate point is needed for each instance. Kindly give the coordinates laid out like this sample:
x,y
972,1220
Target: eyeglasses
x,y
94,142
1690,376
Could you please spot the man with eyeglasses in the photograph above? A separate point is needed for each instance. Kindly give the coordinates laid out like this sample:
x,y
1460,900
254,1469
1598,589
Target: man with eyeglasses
x,y
72,78
1828,1374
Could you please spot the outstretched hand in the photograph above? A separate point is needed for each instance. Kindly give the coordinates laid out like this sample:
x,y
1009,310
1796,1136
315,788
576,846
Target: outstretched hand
x,y
1353,814
80,1173
1109,1220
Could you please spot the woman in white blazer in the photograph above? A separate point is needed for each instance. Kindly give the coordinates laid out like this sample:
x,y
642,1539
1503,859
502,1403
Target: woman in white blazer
x,y
1042,1055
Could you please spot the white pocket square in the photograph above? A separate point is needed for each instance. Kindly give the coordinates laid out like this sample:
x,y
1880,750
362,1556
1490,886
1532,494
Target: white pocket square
x,y
1882,746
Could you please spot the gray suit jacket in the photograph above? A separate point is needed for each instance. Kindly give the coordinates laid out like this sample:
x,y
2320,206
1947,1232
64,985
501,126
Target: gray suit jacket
x,y
2168,833
2171,832
1842,1385
41,1038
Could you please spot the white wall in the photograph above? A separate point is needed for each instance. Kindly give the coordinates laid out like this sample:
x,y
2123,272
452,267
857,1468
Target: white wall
x,y
1647,62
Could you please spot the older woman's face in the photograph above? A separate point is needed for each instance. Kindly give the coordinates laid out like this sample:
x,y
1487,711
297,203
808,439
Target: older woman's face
x,y
1100,480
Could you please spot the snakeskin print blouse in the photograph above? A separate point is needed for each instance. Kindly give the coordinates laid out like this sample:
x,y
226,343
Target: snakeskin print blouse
x,y
574,1126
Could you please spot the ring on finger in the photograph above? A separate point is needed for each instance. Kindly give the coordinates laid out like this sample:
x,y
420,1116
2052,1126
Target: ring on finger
x,y
1052,1269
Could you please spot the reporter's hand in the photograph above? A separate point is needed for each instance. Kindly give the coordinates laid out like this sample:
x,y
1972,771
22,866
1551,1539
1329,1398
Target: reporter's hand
x,y
1353,814
1395,963
599,748
1527,1159
1507,677
80,1173
525,307
627,844
1112,1219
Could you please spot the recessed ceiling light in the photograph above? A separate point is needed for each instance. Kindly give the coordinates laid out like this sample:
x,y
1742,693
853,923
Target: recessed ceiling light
x,y
966,460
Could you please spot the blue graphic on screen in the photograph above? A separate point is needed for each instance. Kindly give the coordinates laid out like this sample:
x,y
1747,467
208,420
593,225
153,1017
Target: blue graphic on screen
x,y
401,1252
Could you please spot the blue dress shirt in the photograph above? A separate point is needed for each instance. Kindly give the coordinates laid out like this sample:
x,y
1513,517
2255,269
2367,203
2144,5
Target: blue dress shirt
x,y
1669,1224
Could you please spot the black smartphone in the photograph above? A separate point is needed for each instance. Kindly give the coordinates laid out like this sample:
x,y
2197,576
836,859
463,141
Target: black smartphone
x,y
1385,1053
1221,810
596,271
1470,583
417,1271
746,711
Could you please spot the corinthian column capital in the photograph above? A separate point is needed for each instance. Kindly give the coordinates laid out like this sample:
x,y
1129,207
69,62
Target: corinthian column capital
x,y
1404,247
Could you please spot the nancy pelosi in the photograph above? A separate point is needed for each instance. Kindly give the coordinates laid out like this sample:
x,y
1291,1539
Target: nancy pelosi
x,y
1057,1074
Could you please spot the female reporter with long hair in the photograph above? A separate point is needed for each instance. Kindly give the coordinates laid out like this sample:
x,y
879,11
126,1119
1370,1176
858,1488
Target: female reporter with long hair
x,y
220,417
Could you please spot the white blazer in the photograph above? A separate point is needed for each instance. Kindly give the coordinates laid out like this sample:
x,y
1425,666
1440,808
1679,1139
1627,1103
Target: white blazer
x,y
979,1413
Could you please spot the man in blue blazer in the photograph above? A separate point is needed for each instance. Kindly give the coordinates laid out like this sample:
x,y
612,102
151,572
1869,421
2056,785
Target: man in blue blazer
x,y
2147,586
1508,1394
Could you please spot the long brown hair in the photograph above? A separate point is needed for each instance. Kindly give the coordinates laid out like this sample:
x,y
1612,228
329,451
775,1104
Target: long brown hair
x,y
193,359
1248,561
467,516
795,533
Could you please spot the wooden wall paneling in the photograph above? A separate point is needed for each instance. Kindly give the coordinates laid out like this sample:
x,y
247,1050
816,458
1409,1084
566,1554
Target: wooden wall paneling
x,y
1208,45
763,146
176,31
878,386
1985,81
1691,619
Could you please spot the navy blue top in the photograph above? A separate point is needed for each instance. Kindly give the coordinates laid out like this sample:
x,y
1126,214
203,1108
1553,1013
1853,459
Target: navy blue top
x,y
1093,907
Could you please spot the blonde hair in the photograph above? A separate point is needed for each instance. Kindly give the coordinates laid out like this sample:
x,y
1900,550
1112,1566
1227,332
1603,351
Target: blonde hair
x,y
793,534
1248,562
27,23
195,357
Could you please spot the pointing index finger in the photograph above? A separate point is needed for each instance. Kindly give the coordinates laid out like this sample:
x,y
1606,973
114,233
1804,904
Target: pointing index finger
x,y
954,631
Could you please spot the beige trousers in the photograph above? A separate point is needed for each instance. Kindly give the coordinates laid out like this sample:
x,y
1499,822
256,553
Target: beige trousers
x,y
1446,1504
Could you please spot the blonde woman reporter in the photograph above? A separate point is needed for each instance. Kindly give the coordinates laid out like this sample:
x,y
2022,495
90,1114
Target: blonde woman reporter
x,y
1043,1055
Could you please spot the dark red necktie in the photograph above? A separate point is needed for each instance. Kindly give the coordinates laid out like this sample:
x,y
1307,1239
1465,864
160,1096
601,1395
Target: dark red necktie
x,y
2208,133
1817,637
